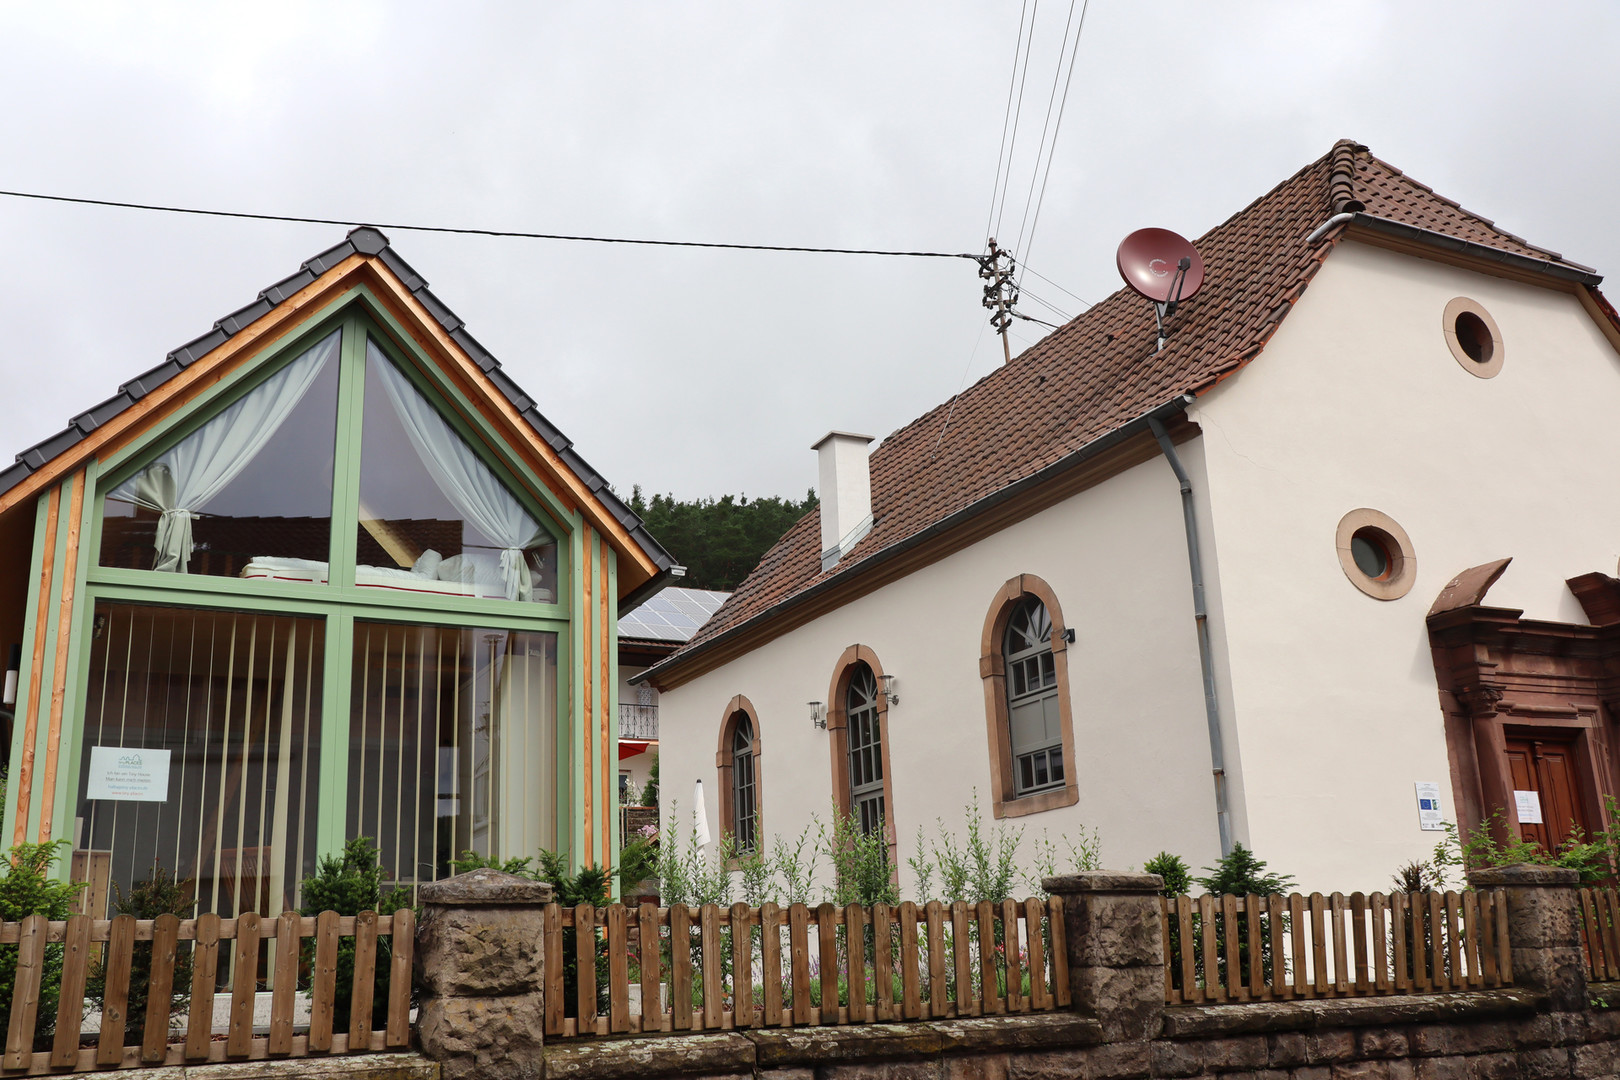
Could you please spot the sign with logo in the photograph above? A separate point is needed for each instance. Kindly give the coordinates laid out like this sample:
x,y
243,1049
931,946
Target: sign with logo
x,y
1528,803
1430,816
128,774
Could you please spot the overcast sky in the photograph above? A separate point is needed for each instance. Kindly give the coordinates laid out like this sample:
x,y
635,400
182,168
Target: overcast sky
x,y
850,125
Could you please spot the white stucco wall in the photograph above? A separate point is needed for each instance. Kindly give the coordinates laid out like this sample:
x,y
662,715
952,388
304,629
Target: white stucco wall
x,y
1358,402
1115,556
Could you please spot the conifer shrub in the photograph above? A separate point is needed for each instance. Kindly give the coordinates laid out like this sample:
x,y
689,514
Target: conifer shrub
x,y
159,894
349,884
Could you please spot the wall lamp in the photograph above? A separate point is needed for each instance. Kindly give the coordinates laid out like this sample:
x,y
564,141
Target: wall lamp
x,y
818,715
888,689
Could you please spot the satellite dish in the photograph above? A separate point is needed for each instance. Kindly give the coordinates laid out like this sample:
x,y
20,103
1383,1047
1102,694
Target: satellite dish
x,y
1163,267
1151,262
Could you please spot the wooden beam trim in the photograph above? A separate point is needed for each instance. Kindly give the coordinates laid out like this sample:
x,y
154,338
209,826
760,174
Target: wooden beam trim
x,y
64,637
1605,322
25,769
604,697
186,385
1127,455
442,343
588,802
1479,265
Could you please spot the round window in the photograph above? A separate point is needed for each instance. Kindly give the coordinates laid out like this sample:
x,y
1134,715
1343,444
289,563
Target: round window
x,y
1376,554
1473,337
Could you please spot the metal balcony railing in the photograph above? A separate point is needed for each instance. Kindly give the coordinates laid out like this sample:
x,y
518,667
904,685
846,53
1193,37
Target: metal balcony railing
x,y
638,721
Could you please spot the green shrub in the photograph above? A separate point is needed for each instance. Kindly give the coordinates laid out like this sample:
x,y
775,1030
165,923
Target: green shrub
x,y
1175,871
1592,857
160,894
349,884
28,889
1242,872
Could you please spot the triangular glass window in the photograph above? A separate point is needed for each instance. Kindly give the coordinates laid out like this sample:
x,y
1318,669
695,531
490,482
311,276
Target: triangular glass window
x,y
247,492
434,518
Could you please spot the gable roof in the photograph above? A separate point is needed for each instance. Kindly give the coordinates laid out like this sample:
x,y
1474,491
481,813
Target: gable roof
x,y
47,458
1087,384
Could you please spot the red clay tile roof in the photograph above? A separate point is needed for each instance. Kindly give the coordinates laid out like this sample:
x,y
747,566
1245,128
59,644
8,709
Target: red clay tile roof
x,y
1100,371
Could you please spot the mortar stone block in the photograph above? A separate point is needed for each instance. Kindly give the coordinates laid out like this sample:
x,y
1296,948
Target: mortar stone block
x,y
1172,1059
1547,1063
1289,1049
480,951
1361,1070
1382,1042
1325,1047
1493,1067
492,1038
976,1067
1242,1052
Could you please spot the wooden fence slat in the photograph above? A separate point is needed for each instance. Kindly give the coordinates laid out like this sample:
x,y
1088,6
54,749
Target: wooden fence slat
x,y
935,913
1437,941
910,990
1487,939
551,938
1380,943
652,979
1459,978
680,968
204,976
742,967
1214,990
1597,954
402,957
1296,929
855,946
1319,943
799,957
1608,928
770,959
1341,947
115,1002
618,947
245,984
285,985
1470,939
1060,951
1034,914
365,981
1399,929
1235,989
25,991
323,986
961,946
989,995
1257,966
75,967
1172,993
883,961
1009,954
1358,927
585,968
713,991
1279,965
827,945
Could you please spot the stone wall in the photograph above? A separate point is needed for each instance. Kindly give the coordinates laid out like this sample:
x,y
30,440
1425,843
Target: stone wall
x,y
1551,1024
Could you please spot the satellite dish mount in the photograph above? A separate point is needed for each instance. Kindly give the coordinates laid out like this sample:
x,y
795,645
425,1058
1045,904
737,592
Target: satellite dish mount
x,y
1164,268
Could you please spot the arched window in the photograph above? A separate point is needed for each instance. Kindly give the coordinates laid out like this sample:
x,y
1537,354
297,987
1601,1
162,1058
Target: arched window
x,y
1024,665
738,760
744,808
1034,726
857,722
865,749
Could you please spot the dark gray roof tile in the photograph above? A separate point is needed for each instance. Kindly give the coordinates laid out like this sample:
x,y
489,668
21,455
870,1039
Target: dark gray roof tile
x,y
472,348
514,393
287,286
12,476
441,314
244,317
40,453
330,257
93,418
402,270
554,438
368,240
198,348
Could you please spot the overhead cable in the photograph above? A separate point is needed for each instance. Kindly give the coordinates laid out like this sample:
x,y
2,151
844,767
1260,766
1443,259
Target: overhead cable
x,y
510,233
1061,108
1046,124
1019,111
1006,118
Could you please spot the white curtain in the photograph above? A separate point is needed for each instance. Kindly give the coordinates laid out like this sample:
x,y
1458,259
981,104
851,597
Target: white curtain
x,y
182,479
462,476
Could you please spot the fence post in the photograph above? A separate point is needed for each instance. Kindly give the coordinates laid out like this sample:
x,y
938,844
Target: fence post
x,y
1115,949
1544,929
482,975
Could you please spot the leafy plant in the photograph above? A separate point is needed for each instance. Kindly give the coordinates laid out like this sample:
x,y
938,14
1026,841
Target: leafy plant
x,y
471,860
1242,872
1593,857
1418,877
160,894
349,884
28,889
638,861
1081,851
796,868
862,873
649,794
979,868
1175,871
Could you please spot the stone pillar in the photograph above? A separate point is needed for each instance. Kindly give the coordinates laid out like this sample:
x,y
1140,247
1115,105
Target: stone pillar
x,y
480,968
1544,929
1115,948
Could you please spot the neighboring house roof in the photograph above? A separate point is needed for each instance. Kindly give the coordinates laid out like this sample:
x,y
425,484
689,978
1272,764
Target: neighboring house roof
x,y
364,241
674,615
1085,383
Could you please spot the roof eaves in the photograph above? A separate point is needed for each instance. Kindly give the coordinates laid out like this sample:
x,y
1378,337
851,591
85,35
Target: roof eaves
x,y
1562,269
1101,443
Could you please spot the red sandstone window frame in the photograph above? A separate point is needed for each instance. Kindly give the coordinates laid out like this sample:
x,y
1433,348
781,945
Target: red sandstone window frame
x,y
723,763
838,740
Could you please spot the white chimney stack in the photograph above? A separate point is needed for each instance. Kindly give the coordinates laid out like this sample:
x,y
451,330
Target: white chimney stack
x,y
846,493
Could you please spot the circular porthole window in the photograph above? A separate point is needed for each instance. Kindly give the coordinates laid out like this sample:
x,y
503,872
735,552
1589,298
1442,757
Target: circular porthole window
x,y
1473,337
1376,554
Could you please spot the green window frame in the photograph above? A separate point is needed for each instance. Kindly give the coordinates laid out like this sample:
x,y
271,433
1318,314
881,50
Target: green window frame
x,y
341,604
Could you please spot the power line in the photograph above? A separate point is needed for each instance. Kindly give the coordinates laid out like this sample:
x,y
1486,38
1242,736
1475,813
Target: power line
x,y
514,234
1045,124
1019,111
1031,270
1061,109
1006,116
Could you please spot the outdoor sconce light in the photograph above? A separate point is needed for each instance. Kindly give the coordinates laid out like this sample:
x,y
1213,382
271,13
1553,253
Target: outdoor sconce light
x,y
1068,634
9,694
818,715
888,689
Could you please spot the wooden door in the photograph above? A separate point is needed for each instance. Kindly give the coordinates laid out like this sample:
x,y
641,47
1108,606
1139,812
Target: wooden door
x,y
1547,766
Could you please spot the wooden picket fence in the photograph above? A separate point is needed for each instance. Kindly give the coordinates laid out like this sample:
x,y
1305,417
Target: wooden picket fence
x,y
219,948
1368,945
712,968
1600,932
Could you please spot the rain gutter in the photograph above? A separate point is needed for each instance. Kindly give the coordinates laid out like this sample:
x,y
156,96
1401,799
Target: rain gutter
x,y
1563,269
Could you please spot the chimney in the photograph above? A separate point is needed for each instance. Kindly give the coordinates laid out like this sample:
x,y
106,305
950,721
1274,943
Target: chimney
x,y
846,493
